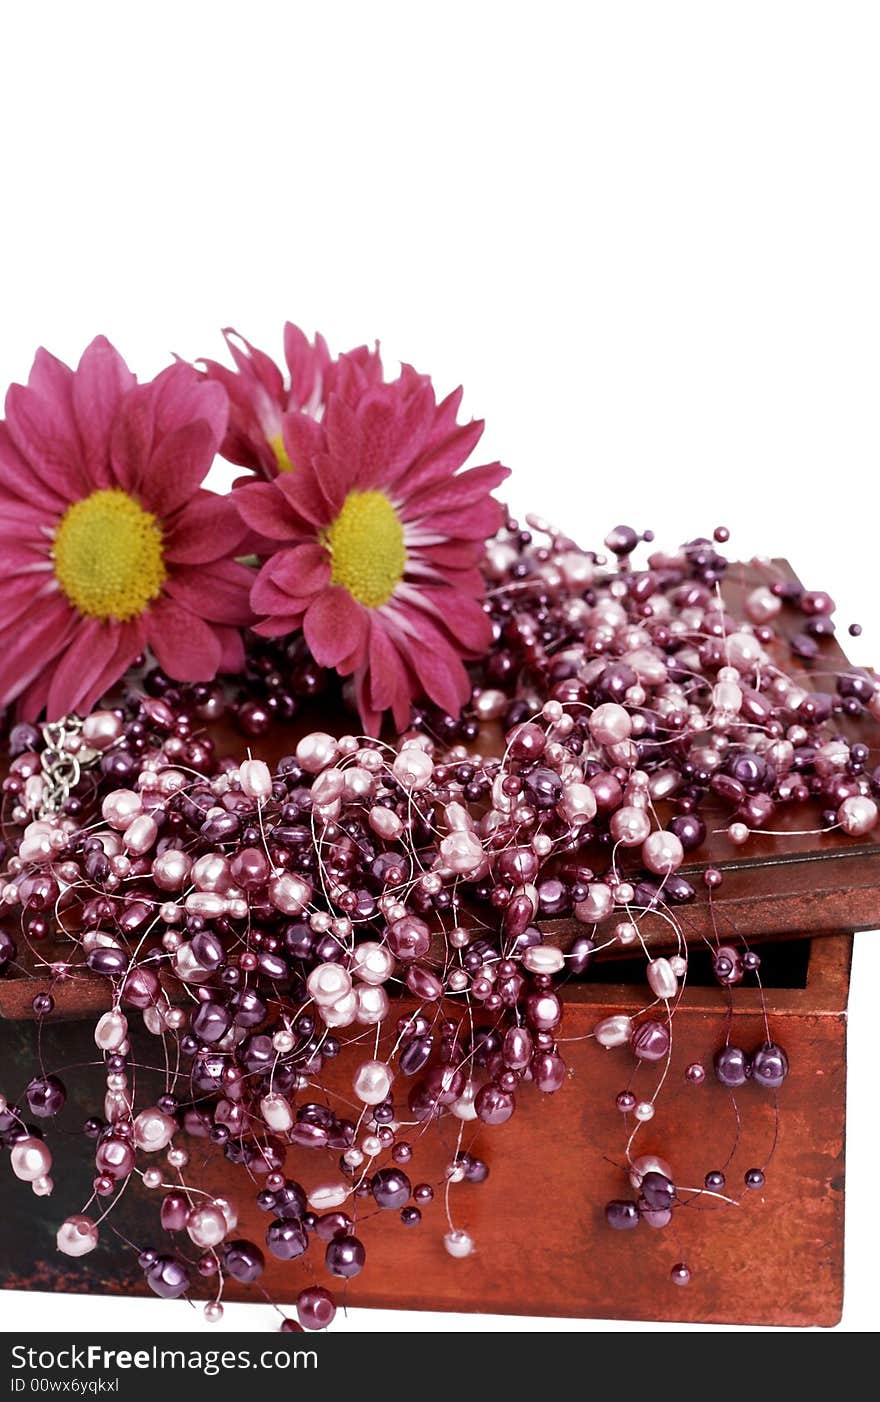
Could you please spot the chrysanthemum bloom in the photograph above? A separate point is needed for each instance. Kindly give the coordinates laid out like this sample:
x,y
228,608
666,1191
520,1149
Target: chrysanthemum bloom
x,y
379,542
107,541
261,396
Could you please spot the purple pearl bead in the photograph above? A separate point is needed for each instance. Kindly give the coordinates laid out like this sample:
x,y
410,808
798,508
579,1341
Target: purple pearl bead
x,y
658,1191
391,1188
580,955
770,1066
345,1256
286,1238
755,1178
695,1074
731,1066
680,1274
168,1277
621,1214
211,1022
243,1260
714,1181
493,1105
45,1096
650,1041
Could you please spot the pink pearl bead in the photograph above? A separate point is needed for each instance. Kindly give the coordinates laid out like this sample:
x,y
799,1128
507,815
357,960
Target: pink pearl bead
x,y
598,904
614,1031
77,1235
101,729
255,779
30,1159
610,723
111,1031
289,894
385,824
316,752
578,803
211,873
662,853
857,815
372,1082
170,870
372,1005
121,808
153,1130
413,768
661,979
630,826
206,1226
462,852
140,835
372,962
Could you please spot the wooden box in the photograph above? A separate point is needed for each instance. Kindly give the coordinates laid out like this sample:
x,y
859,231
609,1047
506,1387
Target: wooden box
x,y
542,1243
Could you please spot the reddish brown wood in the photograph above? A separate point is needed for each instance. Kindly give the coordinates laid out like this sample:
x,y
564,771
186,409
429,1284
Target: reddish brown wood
x,y
542,1246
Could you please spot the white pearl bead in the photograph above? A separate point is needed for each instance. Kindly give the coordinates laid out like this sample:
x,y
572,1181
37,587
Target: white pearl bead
x,y
457,981
213,1311
111,1031
327,1196
458,1244
626,932
342,1013
206,1226
178,1158
256,779
77,1236
229,1212
276,1112
372,962
371,1145
152,1178
678,965
372,1082
43,1186
30,1159
328,983
463,1107
153,1130
661,979
614,1031
644,1111
543,959
372,1005
283,1042
857,815
462,852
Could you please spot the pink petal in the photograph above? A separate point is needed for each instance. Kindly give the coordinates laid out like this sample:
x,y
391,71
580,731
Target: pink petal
x,y
444,457
388,678
334,626
303,492
132,438
206,528
462,616
74,674
298,573
255,364
29,646
265,508
466,489
102,378
180,396
185,646
43,435
178,467
19,479
278,626
232,658
303,438
217,592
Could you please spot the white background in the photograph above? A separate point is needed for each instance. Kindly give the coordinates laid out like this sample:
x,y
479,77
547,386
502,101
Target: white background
x,y
646,237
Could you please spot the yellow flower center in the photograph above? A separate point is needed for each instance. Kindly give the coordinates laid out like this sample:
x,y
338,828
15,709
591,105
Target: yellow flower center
x,y
278,448
108,555
365,541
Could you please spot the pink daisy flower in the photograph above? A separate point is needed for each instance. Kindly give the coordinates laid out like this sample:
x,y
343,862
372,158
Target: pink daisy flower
x,y
379,539
108,544
261,395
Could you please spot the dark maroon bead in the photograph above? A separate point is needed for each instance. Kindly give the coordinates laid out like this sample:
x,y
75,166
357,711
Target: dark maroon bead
x,y
211,1022
544,787
548,1072
390,1188
580,955
621,1214
108,961
769,1066
315,1307
168,1277
208,950
345,1256
289,1201
410,1216
7,950
141,988
731,1066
